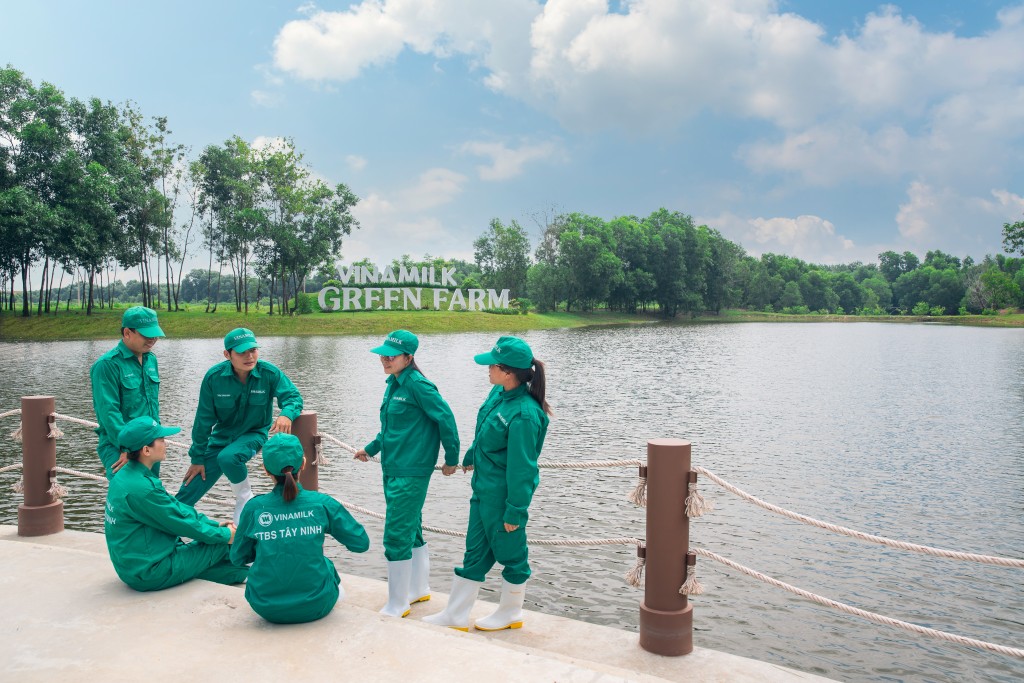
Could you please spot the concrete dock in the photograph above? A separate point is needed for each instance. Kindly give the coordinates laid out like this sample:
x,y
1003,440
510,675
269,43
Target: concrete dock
x,y
69,618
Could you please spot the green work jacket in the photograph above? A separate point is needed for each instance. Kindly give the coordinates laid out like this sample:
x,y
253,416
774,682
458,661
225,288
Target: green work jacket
x,y
290,579
144,524
510,431
229,409
123,389
414,419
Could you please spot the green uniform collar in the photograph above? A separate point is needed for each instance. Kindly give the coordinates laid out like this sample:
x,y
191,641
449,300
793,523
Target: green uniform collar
x,y
509,394
125,352
400,377
228,371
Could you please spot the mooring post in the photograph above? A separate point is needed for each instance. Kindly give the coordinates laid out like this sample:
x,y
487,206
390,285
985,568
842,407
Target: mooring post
x,y
39,515
305,428
666,620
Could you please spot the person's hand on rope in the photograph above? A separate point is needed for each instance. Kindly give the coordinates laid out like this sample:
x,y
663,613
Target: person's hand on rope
x,y
361,455
192,471
511,527
119,463
281,424
448,470
467,468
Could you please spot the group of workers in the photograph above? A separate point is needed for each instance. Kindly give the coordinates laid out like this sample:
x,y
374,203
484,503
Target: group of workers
x,y
274,543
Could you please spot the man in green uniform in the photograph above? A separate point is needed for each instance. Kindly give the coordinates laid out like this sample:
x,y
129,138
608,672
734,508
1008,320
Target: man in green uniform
x,y
282,534
143,524
126,384
233,418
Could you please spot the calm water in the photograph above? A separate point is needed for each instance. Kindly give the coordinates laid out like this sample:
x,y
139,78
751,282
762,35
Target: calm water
x,y
909,431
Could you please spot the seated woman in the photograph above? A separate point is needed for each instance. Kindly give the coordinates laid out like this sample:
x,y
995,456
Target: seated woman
x,y
282,534
144,524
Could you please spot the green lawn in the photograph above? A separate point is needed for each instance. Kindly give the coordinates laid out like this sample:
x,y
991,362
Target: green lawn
x,y
105,323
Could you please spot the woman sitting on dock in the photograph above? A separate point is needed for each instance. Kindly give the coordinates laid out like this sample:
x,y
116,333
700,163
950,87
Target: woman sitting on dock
x,y
282,534
510,430
144,524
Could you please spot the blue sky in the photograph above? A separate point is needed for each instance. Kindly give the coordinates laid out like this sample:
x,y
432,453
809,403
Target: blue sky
x,y
830,131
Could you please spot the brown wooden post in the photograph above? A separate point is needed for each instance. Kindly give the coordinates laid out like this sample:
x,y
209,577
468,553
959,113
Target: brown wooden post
x,y
39,515
305,428
666,620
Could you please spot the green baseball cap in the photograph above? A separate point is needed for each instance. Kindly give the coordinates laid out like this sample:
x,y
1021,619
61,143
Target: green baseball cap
x,y
240,340
510,351
281,451
143,321
397,343
142,431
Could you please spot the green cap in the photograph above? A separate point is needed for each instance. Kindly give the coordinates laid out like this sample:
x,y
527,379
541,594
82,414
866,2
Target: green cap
x,y
281,451
142,431
397,343
510,351
143,321
240,340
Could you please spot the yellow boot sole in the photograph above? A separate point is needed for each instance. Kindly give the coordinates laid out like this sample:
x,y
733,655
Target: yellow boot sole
x,y
514,624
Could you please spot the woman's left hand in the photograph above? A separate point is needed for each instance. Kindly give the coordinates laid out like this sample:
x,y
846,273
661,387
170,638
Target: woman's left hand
x,y
511,527
448,470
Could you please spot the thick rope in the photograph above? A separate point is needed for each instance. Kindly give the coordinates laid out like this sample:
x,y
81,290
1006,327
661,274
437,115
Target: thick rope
x,y
16,411
76,420
10,468
902,545
870,616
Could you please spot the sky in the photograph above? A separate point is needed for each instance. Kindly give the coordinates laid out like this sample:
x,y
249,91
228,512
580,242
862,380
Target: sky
x,y
829,131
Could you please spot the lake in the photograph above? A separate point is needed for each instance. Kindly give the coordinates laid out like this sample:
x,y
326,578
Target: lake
x,y
910,431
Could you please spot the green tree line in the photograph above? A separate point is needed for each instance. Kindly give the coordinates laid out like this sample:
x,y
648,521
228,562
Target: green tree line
x,y
90,187
666,262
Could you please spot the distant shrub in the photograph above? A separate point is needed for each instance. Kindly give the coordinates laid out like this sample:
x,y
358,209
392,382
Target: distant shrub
x,y
937,310
921,308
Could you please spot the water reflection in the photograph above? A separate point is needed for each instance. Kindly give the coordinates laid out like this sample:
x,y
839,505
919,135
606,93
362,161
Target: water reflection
x,y
912,432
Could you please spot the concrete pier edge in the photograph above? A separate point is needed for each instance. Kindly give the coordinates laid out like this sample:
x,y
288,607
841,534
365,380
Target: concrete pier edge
x,y
71,618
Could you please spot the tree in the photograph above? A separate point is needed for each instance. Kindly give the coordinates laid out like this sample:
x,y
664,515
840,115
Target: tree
x,y
1013,237
503,256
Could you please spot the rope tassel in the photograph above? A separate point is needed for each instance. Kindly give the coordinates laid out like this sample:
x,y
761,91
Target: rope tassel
x,y
18,486
55,432
695,505
691,586
318,448
638,496
56,491
635,576
16,434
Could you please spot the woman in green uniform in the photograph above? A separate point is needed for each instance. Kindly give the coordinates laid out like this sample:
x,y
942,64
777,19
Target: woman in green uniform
x,y
144,524
282,534
510,430
414,421
233,418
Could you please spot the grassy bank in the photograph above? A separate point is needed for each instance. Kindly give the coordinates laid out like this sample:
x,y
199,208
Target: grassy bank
x,y
104,324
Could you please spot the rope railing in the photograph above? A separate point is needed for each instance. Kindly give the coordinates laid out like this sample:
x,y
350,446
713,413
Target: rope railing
x,y
864,614
852,533
694,506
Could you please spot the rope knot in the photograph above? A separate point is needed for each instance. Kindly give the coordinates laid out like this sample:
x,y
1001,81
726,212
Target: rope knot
x,y
638,496
54,431
695,505
691,586
635,576
318,449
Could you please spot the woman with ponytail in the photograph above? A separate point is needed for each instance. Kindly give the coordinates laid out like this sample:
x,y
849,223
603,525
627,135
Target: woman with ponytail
x,y
282,534
510,430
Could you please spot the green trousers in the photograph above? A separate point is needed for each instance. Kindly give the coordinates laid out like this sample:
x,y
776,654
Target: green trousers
x,y
299,612
191,561
230,461
487,542
403,524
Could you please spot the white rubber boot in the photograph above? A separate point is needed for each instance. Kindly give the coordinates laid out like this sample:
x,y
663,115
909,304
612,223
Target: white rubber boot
x,y
419,582
398,588
460,603
510,609
243,494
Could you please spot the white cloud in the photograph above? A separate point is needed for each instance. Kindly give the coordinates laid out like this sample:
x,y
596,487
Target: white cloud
x,y
355,162
506,162
269,143
263,98
435,187
811,238
945,218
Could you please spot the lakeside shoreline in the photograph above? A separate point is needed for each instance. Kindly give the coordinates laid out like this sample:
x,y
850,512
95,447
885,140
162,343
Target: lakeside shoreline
x,y
75,325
